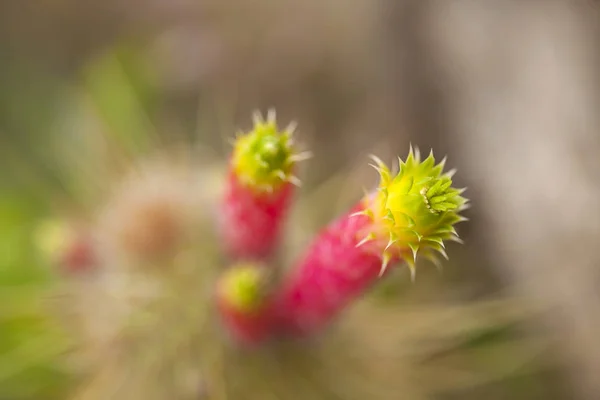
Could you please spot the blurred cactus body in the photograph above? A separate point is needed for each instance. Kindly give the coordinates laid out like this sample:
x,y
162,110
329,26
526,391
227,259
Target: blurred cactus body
x,y
243,303
259,189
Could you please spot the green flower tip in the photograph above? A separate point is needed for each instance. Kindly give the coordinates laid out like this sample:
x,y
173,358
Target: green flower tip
x,y
52,237
414,210
243,287
264,158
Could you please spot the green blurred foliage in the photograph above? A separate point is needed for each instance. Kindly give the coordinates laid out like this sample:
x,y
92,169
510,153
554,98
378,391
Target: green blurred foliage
x,y
29,340
32,177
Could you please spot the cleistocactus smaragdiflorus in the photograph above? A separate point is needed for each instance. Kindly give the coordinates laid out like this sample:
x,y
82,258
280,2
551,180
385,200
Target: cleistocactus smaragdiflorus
x,y
259,188
243,303
71,248
159,278
412,212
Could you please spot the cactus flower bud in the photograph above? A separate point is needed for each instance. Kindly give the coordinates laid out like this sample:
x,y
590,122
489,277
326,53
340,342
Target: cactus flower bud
x,y
259,189
242,302
69,248
412,212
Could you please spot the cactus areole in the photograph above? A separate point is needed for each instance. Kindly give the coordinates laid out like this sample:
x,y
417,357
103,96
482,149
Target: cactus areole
x,y
410,213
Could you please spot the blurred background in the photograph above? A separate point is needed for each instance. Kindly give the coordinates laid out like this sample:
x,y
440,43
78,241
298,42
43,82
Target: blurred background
x,y
508,90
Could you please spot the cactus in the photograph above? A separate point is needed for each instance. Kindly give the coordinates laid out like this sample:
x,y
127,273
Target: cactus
x,y
412,211
69,247
243,303
166,313
259,189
